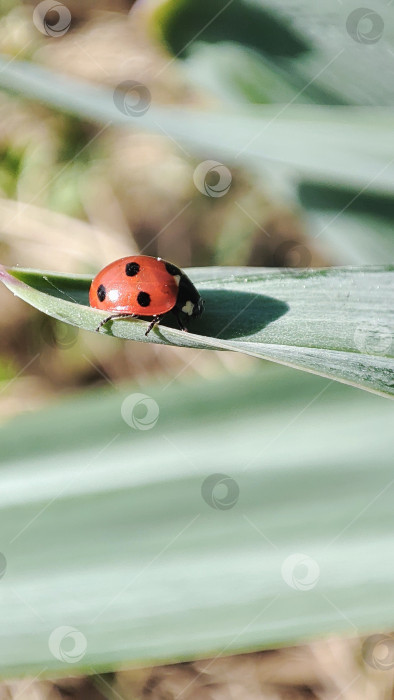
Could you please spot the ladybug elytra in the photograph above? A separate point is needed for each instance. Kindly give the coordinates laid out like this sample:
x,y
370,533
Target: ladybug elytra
x,y
141,286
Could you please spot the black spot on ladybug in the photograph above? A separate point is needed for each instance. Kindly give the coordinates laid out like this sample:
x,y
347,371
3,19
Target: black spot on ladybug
x,y
132,268
101,292
172,269
143,299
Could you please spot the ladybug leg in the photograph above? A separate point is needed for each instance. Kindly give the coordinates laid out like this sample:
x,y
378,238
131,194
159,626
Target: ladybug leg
x,y
153,323
182,327
111,317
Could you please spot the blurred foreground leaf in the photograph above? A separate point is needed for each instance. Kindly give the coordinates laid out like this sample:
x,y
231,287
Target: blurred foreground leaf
x,y
119,529
336,322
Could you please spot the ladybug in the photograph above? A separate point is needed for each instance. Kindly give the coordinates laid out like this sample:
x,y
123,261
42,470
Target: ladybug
x,y
141,286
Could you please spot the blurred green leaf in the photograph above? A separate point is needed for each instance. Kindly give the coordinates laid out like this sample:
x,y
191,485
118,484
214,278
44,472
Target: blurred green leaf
x,y
120,533
356,230
183,22
334,54
336,322
238,75
297,52
347,145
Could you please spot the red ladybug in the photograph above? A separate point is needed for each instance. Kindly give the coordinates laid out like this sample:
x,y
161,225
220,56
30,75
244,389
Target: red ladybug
x,y
144,287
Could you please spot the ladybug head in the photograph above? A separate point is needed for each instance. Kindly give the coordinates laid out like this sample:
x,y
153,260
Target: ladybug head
x,y
189,300
198,308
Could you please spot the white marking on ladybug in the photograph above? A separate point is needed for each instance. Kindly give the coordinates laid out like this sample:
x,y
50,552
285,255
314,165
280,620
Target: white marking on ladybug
x,y
113,295
188,308
177,279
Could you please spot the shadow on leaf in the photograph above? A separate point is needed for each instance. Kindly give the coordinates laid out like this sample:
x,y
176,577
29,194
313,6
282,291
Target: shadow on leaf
x,y
231,314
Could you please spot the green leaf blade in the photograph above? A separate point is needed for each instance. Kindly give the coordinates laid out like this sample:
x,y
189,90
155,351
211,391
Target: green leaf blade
x,y
111,535
335,322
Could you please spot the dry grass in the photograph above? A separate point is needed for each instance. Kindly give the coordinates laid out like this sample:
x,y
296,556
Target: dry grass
x,y
326,670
